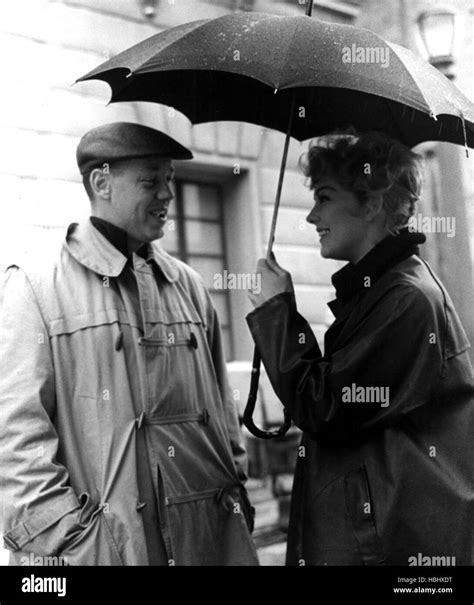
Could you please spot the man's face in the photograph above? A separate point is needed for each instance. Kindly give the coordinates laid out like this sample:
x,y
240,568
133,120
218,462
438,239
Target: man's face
x,y
141,190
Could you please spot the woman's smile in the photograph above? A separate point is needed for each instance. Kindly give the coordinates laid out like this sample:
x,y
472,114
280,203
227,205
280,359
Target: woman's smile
x,y
345,228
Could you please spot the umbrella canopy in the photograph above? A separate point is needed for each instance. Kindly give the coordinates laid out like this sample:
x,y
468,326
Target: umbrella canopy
x,y
250,67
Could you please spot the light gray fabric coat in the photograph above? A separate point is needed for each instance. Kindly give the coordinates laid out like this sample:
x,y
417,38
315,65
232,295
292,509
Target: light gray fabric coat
x,y
113,393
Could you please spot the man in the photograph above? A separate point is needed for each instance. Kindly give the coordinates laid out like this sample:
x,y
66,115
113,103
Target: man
x,y
122,446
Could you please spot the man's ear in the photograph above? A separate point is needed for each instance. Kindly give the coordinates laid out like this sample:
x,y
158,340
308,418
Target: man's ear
x,y
99,180
373,206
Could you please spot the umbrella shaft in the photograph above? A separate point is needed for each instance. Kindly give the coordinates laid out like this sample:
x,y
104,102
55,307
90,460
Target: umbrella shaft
x,y
276,208
271,237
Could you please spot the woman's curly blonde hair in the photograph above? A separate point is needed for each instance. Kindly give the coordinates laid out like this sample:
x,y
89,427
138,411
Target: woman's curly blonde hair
x,y
369,163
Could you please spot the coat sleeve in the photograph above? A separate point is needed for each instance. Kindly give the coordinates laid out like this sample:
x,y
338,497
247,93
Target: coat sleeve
x,y
40,510
396,348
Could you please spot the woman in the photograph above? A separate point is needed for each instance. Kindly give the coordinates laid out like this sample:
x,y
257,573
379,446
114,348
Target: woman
x,y
385,474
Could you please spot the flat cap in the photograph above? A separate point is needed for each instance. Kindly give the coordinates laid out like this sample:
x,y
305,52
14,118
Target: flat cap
x,y
125,140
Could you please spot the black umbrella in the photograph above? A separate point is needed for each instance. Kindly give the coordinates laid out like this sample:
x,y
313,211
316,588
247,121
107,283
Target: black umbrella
x,y
299,75
251,67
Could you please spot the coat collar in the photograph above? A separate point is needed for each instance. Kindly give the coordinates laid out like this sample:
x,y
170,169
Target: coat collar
x,y
94,251
352,279
117,237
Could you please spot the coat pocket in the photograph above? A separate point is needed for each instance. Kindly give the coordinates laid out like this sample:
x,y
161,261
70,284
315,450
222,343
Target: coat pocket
x,y
210,528
93,544
359,507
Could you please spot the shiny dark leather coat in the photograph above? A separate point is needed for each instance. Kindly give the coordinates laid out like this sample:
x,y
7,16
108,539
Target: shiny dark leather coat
x,y
377,484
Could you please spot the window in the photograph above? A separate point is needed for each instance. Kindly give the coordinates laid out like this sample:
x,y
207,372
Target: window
x,y
195,235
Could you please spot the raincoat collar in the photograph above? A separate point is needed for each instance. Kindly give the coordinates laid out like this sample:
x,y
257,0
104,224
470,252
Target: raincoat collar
x,y
93,250
390,251
117,237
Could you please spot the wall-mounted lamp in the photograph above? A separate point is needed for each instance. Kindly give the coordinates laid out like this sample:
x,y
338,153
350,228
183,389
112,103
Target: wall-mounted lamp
x,y
148,8
437,30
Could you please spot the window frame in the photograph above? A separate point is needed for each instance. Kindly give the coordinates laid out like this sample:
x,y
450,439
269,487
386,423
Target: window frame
x,y
240,195
186,256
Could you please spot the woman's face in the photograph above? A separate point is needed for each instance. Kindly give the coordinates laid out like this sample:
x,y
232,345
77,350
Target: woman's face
x,y
339,220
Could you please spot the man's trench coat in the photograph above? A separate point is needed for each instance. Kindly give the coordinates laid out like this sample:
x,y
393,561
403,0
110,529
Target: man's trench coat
x,y
111,386
377,484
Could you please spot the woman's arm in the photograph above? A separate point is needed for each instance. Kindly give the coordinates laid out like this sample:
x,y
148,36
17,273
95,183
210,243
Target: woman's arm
x,y
390,364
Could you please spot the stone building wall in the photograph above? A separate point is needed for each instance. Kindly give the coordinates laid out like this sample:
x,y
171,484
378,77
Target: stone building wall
x,y
46,46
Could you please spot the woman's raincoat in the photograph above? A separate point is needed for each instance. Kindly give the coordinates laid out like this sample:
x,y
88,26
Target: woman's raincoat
x,y
385,471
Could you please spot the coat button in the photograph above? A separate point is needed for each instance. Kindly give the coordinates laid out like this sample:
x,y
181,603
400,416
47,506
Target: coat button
x,y
193,341
119,341
140,505
139,421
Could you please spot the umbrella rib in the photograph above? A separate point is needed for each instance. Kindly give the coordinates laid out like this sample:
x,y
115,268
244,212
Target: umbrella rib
x,y
276,207
285,55
408,72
